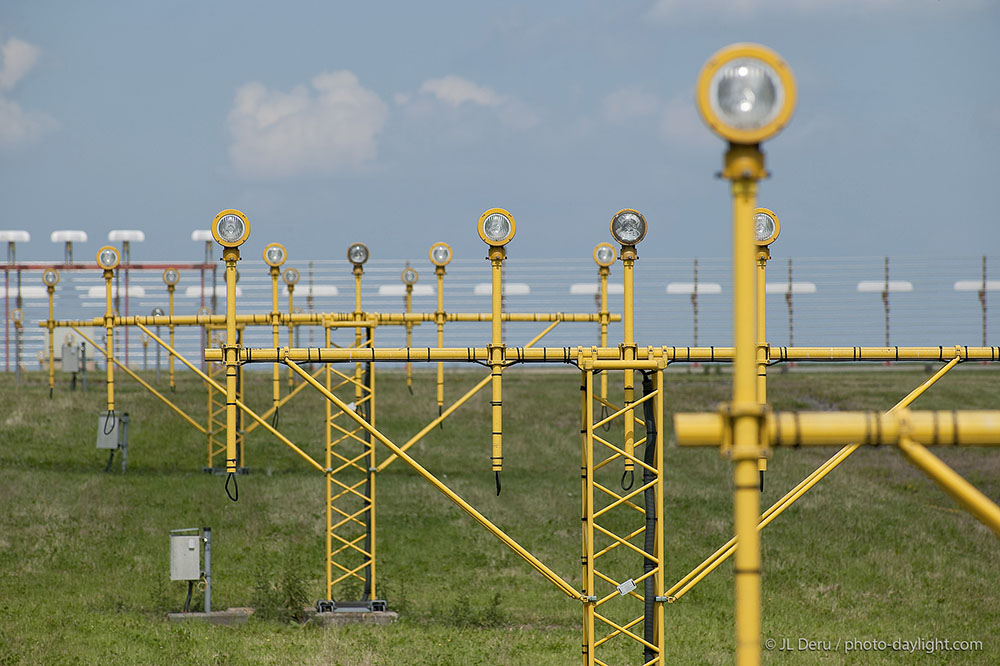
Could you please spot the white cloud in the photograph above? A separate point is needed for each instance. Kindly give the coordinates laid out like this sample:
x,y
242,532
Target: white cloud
x,y
18,126
330,126
629,103
455,92
733,10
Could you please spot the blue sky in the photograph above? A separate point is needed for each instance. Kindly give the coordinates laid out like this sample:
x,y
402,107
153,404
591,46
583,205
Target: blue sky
x,y
397,124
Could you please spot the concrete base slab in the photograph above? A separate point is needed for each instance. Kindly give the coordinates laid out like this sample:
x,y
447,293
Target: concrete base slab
x,y
229,617
338,618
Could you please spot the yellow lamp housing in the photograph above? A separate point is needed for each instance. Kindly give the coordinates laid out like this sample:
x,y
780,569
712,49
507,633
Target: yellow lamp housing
x,y
290,276
440,254
17,315
108,258
605,255
274,254
766,226
230,228
409,276
628,227
171,277
357,254
497,227
50,277
746,93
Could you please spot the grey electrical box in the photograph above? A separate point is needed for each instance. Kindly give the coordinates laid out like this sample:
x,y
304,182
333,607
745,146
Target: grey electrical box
x,y
70,359
185,556
108,430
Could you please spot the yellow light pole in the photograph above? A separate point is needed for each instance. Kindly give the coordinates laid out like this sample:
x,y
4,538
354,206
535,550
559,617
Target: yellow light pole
x,y
409,278
497,227
604,256
17,316
291,278
440,254
766,228
274,256
231,228
51,279
628,227
746,94
108,259
357,254
171,277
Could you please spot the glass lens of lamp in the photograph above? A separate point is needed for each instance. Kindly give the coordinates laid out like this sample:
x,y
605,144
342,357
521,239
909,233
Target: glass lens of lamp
x,y
357,253
17,316
108,258
275,254
203,310
171,276
441,254
409,276
496,227
158,312
605,255
49,278
231,228
628,228
291,276
763,226
746,94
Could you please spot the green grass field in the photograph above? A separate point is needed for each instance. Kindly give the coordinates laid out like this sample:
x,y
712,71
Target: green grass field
x,y
875,551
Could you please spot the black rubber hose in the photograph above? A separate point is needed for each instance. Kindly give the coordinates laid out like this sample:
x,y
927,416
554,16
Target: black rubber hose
x,y
187,602
107,468
233,494
649,494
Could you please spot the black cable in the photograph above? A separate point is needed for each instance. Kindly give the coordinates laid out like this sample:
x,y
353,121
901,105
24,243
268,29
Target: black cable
x,y
410,386
649,457
604,415
498,484
441,422
109,418
761,480
187,602
107,468
274,419
234,494
630,475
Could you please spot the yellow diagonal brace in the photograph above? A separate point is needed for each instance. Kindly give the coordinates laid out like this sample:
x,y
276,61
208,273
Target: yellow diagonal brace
x,y
608,533
249,412
612,493
622,630
139,379
622,453
281,403
616,633
448,492
612,546
624,498
623,410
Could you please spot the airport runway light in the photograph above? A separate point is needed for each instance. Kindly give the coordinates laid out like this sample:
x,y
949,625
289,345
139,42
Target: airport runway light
x,y
746,94
274,255
108,258
171,276
290,276
766,226
357,254
50,278
440,254
497,227
231,228
628,227
409,277
605,255
17,316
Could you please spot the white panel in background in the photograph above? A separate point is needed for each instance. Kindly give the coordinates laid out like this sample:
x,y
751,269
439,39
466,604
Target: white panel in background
x,y
797,288
592,289
688,288
509,289
976,285
878,286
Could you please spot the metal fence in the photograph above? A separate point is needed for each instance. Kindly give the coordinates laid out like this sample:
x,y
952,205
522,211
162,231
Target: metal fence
x,y
832,301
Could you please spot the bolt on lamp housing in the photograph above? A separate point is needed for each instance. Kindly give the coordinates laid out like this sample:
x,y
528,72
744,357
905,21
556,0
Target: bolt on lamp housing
x,y
409,276
290,276
746,93
628,226
274,254
604,254
766,226
497,227
171,276
440,254
230,228
108,258
357,254
50,277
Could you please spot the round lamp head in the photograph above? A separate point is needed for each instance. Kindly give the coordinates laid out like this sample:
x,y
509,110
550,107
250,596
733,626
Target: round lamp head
x,y
497,227
766,226
604,254
17,314
204,311
746,93
158,312
171,276
274,254
357,254
440,254
290,276
409,276
50,277
628,226
69,339
144,338
108,258
231,228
